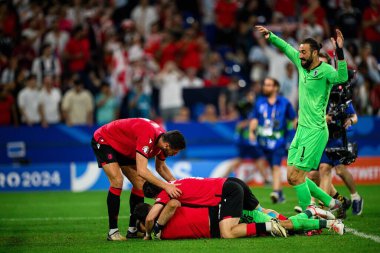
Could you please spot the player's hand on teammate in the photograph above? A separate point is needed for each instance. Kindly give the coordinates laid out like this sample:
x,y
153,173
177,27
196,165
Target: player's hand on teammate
x,y
263,31
173,191
339,39
347,123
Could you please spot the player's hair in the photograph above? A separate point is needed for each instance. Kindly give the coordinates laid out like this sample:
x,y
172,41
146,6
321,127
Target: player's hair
x,y
326,56
275,82
175,139
141,211
314,45
150,190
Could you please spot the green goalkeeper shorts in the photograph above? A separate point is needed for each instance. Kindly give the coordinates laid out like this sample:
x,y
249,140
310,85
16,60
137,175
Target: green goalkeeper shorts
x,y
307,147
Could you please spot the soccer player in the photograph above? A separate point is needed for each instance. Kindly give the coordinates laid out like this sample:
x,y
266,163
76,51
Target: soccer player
x,y
325,168
316,79
188,222
269,119
232,194
124,146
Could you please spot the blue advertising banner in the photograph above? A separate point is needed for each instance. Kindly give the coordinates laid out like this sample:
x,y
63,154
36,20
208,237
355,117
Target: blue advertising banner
x,y
37,177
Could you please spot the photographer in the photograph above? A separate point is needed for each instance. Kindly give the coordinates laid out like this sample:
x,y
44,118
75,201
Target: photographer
x,y
340,114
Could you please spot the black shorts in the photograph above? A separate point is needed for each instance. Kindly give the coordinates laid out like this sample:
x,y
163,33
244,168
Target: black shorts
x,y
106,154
236,196
214,221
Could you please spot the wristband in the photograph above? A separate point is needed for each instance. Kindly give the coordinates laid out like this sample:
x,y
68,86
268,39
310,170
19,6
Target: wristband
x,y
339,53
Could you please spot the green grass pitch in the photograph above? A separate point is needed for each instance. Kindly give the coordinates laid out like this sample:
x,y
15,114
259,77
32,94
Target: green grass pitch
x,y
77,222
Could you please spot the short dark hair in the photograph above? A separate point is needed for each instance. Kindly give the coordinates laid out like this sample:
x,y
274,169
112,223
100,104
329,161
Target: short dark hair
x,y
141,211
314,45
150,190
175,139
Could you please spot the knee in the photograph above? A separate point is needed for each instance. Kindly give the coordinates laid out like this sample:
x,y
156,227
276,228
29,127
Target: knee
x,y
314,176
340,170
116,181
325,170
295,177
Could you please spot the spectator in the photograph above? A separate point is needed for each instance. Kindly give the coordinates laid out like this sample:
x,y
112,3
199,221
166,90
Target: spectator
x,y
225,13
190,80
106,105
50,98
369,61
314,9
170,98
209,114
46,64
216,78
183,115
168,49
348,20
78,105
371,26
189,50
8,76
24,52
229,96
29,103
289,84
139,101
57,38
8,113
77,51
144,16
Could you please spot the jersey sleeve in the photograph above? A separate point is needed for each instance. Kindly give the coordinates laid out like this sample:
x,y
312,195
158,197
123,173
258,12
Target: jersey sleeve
x,y
350,109
286,48
337,76
144,143
162,198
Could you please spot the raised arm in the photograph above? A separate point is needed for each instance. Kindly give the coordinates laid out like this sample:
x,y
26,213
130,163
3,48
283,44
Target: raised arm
x,y
341,74
286,48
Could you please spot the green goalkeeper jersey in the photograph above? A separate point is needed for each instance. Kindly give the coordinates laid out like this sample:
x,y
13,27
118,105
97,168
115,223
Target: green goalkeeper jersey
x,y
314,86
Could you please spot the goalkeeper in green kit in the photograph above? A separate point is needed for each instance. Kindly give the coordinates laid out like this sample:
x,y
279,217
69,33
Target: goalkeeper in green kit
x,y
315,80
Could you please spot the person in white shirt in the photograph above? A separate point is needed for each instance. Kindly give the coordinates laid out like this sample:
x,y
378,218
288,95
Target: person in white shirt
x,y
144,16
190,80
170,98
28,101
57,38
50,97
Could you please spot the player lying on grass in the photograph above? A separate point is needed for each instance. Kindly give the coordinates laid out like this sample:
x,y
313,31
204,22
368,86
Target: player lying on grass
x,y
231,195
243,229
195,223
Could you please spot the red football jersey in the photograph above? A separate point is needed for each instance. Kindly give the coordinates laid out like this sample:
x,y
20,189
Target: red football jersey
x,y
188,223
128,136
196,191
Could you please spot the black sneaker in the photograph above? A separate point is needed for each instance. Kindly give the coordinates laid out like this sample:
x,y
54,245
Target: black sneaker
x,y
346,202
134,235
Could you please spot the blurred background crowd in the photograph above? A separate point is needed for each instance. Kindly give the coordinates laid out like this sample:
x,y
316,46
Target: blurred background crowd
x,y
92,61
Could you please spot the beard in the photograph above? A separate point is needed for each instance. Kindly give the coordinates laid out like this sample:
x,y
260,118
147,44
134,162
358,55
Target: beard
x,y
307,62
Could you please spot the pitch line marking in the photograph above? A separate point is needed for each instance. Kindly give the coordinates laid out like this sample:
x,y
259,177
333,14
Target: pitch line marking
x,y
363,235
57,218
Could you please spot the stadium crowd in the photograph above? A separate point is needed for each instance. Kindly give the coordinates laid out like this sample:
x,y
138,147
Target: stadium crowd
x,y
92,61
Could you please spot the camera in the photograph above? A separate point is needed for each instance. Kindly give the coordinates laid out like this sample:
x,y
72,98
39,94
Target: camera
x,y
340,98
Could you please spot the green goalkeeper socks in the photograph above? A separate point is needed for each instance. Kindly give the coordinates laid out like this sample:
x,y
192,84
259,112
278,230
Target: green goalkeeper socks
x,y
254,216
318,193
304,224
303,195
